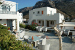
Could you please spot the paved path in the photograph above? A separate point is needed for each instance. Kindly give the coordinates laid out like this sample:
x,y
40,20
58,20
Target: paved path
x,y
54,40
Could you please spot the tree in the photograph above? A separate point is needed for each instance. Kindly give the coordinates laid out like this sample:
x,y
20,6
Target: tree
x,y
9,42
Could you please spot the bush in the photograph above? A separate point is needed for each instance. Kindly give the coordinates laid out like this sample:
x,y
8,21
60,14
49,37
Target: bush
x,y
28,27
3,27
31,27
9,42
22,26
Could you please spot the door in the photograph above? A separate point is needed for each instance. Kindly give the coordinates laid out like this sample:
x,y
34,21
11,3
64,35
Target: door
x,y
42,23
47,23
9,24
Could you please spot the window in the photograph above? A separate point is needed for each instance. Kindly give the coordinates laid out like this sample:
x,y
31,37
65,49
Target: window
x,y
33,12
52,22
38,12
5,8
39,21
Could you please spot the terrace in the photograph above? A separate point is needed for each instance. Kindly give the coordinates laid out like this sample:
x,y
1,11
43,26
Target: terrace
x,y
53,40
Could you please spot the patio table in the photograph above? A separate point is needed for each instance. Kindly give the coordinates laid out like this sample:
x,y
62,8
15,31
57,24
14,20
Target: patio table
x,y
35,40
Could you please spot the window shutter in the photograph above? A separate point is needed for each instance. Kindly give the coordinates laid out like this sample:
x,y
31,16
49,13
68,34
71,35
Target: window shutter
x,y
42,12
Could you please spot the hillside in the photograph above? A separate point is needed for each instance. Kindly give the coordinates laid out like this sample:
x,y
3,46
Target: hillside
x,y
66,8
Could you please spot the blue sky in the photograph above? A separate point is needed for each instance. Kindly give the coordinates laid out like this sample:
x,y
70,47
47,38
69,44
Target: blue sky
x,y
25,3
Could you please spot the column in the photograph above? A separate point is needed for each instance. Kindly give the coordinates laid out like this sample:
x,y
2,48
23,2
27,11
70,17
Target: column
x,y
17,25
14,24
44,22
36,20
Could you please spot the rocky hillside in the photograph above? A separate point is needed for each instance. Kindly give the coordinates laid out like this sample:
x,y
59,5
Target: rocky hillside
x,y
25,12
66,8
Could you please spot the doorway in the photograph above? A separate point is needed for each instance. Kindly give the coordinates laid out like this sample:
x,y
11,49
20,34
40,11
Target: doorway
x,y
47,23
9,24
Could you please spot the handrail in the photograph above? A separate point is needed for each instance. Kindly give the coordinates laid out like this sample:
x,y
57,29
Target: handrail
x,y
8,12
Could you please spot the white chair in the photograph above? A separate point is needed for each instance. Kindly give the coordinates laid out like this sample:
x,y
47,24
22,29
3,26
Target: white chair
x,y
40,29
21,34
42,41
73,36
26,38
30,39
37,27
43,47
66,32
45,29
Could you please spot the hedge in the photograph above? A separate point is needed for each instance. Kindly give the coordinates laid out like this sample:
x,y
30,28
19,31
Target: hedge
x,y
9,42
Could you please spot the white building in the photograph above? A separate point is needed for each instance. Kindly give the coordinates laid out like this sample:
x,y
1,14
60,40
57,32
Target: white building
x,y
9,15
45,16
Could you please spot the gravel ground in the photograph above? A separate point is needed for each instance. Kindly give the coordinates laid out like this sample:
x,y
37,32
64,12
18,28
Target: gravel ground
x,y
67,43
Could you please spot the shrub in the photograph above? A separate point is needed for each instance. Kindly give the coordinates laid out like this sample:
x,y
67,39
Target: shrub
x,y
3,27
22,26
32,26
9,42
28,27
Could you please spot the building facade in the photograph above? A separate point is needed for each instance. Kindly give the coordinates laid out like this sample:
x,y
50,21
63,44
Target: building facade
x,y
9,16
45,16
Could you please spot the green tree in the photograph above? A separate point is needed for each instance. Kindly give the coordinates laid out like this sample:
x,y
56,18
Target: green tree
x,y
9,42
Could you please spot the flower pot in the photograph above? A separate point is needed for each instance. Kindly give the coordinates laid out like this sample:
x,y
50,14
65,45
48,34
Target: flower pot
x,y
8,28
4,24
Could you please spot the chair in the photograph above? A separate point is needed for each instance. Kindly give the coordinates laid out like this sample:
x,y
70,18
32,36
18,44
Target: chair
x,y
21,34
45,29
37,27
26,38
40,29
43,47
66,32
73,36
42,41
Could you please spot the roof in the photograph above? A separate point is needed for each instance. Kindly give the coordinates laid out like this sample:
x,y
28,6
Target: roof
x,y
67,24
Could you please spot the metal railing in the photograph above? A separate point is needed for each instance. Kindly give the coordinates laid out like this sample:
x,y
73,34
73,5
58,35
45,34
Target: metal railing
x,y
8,12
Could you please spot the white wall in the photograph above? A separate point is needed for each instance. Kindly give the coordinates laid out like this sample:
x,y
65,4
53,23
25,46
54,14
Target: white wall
x,y
13,8
8,16
61,18
3,21
51,11
20,17
57,17
9,3
71,27
44,9
14,24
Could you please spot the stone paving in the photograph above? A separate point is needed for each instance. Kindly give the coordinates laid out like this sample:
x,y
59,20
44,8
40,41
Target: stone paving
x,y
67,43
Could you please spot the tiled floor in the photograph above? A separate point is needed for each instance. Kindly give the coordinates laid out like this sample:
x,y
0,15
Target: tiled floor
x,y
67,44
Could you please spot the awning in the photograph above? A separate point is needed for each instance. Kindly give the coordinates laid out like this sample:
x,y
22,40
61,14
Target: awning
x,y
67,25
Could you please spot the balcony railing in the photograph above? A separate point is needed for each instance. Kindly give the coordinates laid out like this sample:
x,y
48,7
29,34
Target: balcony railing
x,y
8,12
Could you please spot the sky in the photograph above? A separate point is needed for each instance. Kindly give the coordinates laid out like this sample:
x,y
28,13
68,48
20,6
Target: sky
x,y
25,3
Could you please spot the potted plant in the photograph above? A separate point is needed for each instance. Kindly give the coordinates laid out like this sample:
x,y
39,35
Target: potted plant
x,y
4,24
8,28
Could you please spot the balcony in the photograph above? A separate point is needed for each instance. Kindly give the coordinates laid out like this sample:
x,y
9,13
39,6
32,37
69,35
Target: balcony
x,y
8,12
